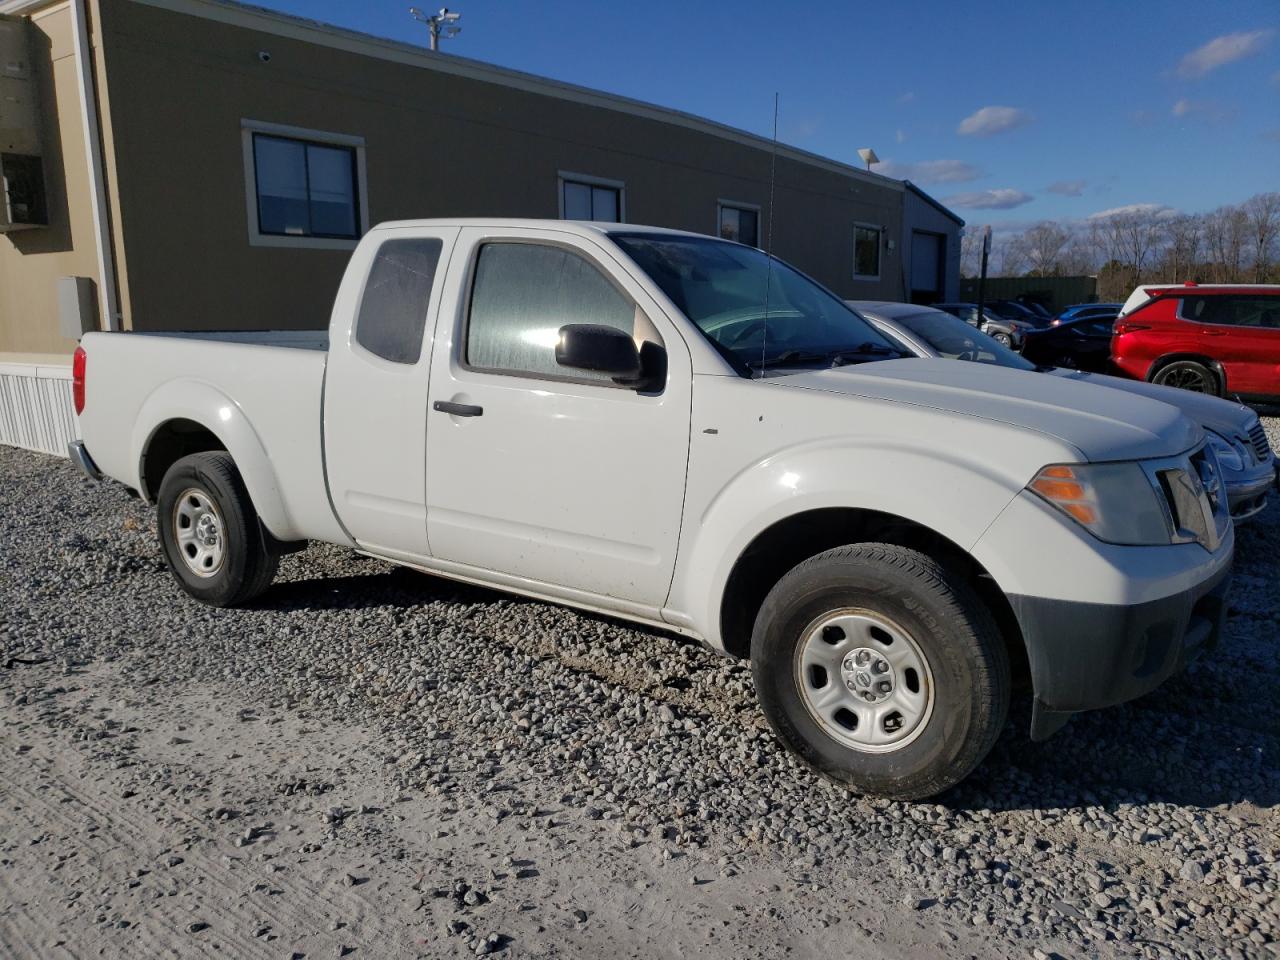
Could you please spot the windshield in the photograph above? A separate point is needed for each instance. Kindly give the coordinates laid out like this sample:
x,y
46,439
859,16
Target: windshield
x,y
723,289
954,339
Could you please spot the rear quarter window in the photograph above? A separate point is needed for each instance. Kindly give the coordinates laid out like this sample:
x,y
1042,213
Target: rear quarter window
x,y
393,308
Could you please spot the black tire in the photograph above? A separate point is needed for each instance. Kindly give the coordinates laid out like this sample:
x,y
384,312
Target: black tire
x,y
1004,339
248,560
949,625
1189,375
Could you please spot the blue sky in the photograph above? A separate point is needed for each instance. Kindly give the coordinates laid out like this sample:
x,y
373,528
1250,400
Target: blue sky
x,y
1011,112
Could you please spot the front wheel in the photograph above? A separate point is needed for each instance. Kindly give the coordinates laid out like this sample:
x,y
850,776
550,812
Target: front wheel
x,y
881,669
1003,338
210,534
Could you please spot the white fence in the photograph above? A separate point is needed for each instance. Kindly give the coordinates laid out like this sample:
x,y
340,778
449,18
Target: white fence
x,y
35,407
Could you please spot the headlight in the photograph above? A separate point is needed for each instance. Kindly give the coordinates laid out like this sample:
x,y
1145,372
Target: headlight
x,y
1229,454
1116,502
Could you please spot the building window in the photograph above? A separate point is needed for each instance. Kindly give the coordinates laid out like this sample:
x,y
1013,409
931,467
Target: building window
x,y
591,198
739,222
866,251
304,187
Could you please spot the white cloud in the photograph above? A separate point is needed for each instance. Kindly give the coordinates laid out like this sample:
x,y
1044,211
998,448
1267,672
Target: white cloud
x,y
1220,51
991,120
1068,188
1159,209
931,171
1001,199
1206,110
900,136
908,97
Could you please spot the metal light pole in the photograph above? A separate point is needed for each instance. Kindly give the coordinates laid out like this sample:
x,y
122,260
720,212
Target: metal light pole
x,y
437,23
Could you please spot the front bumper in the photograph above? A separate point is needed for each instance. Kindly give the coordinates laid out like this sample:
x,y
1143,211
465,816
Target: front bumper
x,y
1085,656
1247,493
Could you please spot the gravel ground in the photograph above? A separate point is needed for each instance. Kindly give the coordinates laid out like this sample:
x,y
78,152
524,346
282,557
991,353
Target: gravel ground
x,y
371,762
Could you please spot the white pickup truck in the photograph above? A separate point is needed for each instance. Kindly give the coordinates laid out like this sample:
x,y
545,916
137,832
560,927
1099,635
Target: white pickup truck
x,y
687,433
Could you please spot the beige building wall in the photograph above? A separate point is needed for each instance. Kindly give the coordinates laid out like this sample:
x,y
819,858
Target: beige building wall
x,y
31,261
436,144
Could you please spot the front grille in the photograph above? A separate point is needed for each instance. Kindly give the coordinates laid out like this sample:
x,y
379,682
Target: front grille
x,y
1258,437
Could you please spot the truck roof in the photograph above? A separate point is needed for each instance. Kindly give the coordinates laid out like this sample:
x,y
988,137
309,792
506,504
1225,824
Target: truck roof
x,y
581,227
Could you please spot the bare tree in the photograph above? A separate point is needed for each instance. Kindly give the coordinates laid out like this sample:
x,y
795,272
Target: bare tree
x,y
971,251
1226,235
1130,237
1263,214
1044,245
1183,250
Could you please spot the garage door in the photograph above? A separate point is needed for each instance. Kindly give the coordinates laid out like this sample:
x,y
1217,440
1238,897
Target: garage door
x,y
926,267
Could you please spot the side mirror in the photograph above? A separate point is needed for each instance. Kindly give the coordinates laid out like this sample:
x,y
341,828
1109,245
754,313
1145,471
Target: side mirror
x,y
593,346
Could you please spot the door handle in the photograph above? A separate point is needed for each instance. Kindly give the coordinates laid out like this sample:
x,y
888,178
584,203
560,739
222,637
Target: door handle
x,y
458,409
1215,333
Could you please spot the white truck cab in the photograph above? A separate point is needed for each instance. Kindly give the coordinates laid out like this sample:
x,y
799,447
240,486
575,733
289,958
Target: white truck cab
x,y
685,432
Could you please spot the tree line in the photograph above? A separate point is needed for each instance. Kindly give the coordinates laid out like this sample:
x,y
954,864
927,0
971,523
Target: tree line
x,y
1236,243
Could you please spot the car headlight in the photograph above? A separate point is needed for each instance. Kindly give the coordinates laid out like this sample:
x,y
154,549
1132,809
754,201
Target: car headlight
x,y
1230,455
1116,502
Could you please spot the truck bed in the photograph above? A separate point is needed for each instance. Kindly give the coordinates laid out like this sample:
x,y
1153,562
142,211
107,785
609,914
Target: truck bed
x,y
264,388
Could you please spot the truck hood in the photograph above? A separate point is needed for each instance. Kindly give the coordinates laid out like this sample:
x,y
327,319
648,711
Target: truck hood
x,y
1213,413
1103,424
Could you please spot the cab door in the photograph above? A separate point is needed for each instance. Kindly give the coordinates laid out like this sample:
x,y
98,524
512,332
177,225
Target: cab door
x,y
556,478
375,396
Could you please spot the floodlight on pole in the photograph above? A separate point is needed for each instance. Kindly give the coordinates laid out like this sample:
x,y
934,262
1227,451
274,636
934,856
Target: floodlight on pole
x,y
868,156
438,24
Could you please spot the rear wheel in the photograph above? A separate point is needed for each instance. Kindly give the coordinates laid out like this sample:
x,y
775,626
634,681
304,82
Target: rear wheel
x,y
881,669
1188,375
210,534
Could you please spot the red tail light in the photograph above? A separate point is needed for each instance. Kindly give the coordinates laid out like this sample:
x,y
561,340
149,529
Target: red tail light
x,y
1126,326
77,379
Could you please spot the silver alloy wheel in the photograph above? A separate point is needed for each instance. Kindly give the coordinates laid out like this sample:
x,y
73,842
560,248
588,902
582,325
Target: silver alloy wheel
x,y
864,680
198,530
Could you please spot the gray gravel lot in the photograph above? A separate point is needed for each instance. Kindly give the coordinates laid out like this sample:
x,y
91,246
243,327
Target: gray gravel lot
x,y
372,762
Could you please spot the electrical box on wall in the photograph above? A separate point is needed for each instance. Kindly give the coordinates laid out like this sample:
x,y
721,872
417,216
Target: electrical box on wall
x,y
22,185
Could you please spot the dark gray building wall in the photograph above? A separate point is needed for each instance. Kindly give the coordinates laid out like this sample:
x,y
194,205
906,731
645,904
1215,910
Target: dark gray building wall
x,y
436,145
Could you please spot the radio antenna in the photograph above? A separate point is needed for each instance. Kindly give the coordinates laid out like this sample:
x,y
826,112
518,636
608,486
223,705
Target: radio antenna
x,y
768,243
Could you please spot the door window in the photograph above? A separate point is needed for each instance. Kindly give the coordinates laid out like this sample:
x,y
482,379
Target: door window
x,y
523,294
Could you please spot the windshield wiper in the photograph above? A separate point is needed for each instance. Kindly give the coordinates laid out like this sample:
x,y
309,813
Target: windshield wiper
x,y
789,356
862,352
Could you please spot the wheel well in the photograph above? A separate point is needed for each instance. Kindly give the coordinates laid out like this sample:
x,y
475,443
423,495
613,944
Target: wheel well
x,y
789,542
1214,366
172,441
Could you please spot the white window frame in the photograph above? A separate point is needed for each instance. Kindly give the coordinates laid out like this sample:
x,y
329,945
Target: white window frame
x,y
258,239
879,229
740,205
568,176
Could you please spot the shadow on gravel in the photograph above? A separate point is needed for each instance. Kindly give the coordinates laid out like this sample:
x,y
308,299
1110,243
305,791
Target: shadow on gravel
x,y
395,587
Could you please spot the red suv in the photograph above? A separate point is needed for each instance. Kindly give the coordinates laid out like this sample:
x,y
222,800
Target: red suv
x,y
1223,340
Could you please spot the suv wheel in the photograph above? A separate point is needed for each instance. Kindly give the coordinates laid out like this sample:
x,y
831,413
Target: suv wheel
x,y
1188,375
881,670
210,534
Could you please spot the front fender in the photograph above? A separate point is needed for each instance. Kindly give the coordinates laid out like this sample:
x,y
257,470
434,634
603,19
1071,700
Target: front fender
x,y
955,495
212,409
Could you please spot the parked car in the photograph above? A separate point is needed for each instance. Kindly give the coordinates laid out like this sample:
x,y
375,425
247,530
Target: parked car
x,y
1083,343
1249,467
1221,339
1008,332
682,431
1016,310
1080,311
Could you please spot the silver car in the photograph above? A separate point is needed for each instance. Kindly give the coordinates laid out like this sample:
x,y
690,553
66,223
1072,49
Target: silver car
x,y
1234,431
